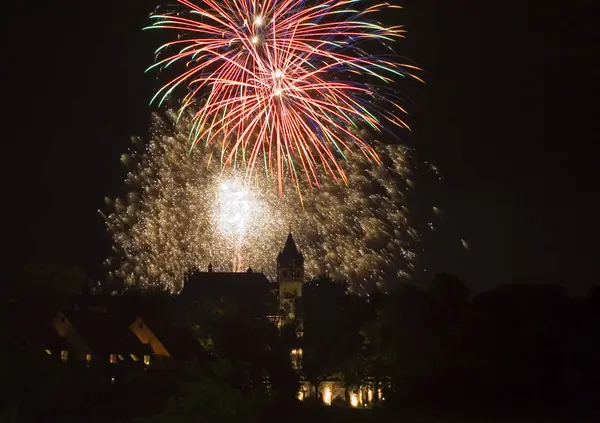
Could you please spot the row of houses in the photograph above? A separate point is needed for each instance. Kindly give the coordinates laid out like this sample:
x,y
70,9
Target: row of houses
x,y
94,335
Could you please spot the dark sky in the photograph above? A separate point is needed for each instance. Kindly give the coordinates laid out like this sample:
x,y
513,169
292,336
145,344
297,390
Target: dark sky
x,y
506,115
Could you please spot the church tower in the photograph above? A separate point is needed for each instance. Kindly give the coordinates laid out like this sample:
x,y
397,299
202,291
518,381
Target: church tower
x,y
290,276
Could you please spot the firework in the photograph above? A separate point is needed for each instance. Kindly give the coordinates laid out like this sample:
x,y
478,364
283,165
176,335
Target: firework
x,y
282,83
183,211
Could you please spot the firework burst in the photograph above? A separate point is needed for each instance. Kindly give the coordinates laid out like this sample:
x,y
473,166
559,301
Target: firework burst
x,y
284,84
183,211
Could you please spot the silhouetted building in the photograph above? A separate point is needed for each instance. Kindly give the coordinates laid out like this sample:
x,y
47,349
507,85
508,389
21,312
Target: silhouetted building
x,y
290,277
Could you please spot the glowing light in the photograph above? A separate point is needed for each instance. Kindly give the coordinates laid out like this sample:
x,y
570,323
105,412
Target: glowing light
x,y
370,395
278,74
177,217
277,91
323,48
48,352
327,395
353,400
147,360
301,395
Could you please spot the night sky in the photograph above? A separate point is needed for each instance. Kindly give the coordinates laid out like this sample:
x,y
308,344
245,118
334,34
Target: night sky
x,y
506,115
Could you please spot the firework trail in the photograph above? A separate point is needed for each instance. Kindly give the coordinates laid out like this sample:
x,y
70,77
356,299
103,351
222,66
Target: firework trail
x,y
281,83
183,211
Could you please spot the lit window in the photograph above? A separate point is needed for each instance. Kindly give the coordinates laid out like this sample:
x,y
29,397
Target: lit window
x,y
88,358
327,395
147,360
134,357
48,352
301,395
113,359
121,357
353,400
64,356
370,394
296,359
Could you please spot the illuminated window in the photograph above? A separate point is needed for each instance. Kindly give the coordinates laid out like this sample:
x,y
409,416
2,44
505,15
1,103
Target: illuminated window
x,y
370,394
327,395
301,395
48,352
121,357
113,359
354,400
147,360
296,358
64,356
134,357
88,358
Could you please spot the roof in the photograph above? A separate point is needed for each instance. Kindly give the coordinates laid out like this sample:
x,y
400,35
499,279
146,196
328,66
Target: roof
x,y
290,250
225,281
246,292
179,341
28,327
104,333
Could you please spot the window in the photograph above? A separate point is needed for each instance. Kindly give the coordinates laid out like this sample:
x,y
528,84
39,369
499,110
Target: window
x,y
64,356
147,360
327,395
121,357
296,359
112,359
88,358
134,357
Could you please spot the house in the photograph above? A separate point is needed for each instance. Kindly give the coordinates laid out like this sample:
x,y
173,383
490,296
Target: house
x,y
168,341
24,328
100,337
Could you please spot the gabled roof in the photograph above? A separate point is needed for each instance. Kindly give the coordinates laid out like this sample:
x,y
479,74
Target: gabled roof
x,y
26,326
178,341
104,333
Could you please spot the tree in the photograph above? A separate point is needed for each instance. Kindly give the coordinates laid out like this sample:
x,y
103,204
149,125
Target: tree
x,y
331,319
212,399
49,287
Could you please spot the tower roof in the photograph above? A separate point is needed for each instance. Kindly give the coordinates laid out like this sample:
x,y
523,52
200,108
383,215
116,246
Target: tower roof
x,y
290,249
